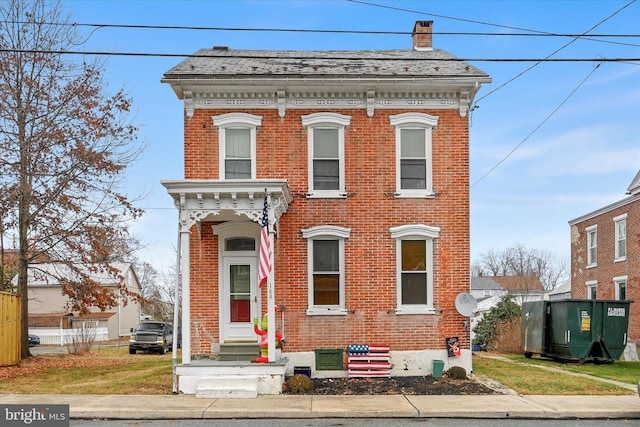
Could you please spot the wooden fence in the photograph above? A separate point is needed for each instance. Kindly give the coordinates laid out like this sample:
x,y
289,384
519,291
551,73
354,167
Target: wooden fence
x,y
10,315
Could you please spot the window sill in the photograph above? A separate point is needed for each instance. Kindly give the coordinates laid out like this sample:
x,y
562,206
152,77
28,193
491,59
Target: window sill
x,y
327,195
592,265
622,258
415,310
329,311
414,195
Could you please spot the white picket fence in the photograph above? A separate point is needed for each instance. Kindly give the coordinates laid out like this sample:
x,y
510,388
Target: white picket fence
x,y
66,336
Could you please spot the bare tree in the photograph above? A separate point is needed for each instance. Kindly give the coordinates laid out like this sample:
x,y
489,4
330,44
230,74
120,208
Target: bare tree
x,y
518,260
65,143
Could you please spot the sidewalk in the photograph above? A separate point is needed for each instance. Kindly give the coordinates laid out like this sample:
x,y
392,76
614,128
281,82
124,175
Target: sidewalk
x,y
287,406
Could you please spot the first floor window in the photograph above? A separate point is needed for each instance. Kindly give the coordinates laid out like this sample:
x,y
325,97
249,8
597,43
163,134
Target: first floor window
x,y
621,287
414,272
592,288
326,269
414,266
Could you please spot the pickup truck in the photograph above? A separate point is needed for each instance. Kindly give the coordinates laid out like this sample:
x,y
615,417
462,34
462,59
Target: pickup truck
x,y
151,336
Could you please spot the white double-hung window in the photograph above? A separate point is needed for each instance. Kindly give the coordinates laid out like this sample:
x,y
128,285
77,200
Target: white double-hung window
x,y
237,137
326,269
620,284
325,133
414,267
592,246
621,237
413,154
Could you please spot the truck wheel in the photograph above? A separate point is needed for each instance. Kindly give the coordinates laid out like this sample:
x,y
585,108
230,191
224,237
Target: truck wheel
x,y
528,354
162,350
132,350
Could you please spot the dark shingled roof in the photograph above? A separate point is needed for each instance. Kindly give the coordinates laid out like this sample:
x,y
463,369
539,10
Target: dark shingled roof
x,y
358,63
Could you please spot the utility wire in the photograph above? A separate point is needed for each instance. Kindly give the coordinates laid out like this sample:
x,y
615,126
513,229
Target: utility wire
x,y
549,56
537,127
472,21
294,57
530,33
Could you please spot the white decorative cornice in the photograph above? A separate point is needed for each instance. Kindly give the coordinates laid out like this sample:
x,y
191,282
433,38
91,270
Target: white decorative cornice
x,y
220,200
370,100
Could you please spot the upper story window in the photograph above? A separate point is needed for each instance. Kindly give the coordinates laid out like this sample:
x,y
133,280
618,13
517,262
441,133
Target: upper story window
x,y
413,154
237,137
326,269
621,237
592,246
414,267
325,133
592,289
621,287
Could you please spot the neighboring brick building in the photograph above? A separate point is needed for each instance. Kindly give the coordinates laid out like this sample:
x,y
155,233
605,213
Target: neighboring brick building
x,y
364,156
605,254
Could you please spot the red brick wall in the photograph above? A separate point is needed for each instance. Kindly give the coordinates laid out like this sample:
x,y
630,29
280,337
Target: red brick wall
x,y
370,210
606,269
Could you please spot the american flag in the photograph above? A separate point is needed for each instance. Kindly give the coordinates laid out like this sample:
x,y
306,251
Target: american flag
x,y
265,247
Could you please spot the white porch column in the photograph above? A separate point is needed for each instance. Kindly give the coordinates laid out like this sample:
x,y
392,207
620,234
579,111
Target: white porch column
x,y
185,267
185,236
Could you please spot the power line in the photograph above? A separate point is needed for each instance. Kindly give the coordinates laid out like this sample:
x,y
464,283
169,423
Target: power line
x,y
473,21
531,33
337,57
550,55
536,128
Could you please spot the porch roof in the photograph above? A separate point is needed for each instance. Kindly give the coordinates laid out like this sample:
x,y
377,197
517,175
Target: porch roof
x,y
225,200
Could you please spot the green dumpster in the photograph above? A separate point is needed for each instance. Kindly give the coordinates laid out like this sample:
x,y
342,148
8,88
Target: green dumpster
x,y
581,330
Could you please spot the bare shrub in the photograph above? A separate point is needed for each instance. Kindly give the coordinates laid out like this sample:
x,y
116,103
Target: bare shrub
x,y
82,340
507,338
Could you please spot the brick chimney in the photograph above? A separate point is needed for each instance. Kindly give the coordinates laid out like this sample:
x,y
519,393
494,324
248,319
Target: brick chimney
x,y
422,35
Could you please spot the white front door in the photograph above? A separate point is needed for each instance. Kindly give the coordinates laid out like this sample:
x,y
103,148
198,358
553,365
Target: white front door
x,y
240,298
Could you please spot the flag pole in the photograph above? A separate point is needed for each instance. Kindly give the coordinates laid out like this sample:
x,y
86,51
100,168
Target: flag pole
x,y
271,312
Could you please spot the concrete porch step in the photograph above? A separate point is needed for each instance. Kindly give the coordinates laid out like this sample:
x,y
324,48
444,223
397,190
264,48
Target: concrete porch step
x,y
240,351
226,386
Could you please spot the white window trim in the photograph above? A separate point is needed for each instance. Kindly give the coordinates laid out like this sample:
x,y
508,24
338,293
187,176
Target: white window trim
x,y
591,284
236,121
617,257
592,262
327,121
326,232
415,121
617,281
414,232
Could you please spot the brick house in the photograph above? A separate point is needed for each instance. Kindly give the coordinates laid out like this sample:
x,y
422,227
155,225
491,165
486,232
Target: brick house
x,y
364,159
605,254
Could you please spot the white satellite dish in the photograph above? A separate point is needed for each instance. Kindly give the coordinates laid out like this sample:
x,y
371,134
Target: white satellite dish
x,y
466,304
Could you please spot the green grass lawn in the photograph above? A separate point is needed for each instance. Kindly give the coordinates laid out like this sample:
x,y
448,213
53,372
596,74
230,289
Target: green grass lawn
x,y
525,378
107,371
112,370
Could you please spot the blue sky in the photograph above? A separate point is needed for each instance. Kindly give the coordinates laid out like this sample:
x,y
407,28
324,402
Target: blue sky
x,y
571,156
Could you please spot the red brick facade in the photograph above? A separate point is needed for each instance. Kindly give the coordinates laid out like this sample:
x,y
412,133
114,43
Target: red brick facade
x,y
607,268
390,111
369,210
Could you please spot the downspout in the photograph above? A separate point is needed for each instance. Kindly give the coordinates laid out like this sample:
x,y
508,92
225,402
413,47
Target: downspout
x,y
176,335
